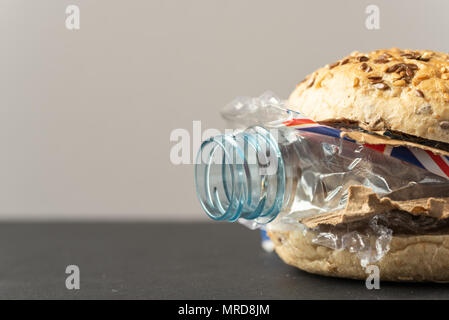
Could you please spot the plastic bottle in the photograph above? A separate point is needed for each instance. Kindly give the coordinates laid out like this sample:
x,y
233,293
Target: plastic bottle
x,y
262,173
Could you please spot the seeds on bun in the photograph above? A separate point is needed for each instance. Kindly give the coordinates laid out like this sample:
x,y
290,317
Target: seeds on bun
x,y
400,91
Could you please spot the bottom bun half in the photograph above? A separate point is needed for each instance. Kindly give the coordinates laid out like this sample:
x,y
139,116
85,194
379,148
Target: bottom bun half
x,y
410,258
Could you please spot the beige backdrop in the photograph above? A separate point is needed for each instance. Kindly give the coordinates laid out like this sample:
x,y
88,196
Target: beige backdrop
x,y
86,115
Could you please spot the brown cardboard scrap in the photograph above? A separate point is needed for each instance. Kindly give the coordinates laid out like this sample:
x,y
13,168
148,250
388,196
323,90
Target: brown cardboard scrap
x,y
363,137
363,203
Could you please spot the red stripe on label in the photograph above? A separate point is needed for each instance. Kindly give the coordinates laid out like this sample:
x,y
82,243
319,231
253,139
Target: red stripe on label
x,y
296,122
440,162
378,147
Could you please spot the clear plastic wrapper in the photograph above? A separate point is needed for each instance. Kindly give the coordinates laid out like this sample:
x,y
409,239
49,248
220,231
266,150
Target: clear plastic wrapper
x,y
370,242
318,171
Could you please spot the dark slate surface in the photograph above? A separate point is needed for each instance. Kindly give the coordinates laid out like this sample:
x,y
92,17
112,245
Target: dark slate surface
x,y
166,261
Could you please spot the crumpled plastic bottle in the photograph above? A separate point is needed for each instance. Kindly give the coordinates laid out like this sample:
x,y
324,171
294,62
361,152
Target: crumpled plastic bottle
x,y
271,172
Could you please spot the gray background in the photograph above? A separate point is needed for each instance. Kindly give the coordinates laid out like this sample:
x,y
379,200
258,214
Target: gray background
x,y
85,116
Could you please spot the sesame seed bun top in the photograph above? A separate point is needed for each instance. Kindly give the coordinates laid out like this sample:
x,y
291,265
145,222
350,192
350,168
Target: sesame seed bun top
x,y
399,90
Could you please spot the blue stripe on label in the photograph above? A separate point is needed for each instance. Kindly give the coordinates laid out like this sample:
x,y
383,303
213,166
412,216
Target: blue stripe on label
x,y
406,155
264,235
323,130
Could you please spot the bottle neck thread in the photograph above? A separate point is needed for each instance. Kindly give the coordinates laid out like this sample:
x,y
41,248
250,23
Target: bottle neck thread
x,y
241,176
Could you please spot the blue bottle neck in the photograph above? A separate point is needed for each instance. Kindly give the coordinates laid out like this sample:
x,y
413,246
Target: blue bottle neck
x,y
241,176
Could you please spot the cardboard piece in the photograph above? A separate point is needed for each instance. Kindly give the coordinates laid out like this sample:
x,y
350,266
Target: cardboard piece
x,y
363,137
363,203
